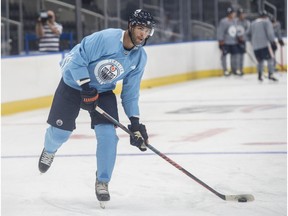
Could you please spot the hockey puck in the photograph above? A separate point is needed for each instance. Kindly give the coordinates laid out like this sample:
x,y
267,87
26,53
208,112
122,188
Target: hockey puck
x,y
242,199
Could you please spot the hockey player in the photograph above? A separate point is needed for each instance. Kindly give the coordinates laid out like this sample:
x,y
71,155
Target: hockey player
x,y
243,26
262,35
90,73
277,31
228,44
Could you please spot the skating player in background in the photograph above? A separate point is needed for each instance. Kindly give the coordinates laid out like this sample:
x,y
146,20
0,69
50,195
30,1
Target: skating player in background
x,y
277,31
262,35
243,26
228,43
90,73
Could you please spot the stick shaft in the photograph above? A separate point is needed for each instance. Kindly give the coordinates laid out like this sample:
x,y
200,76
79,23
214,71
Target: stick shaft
x,y
282,62
169,160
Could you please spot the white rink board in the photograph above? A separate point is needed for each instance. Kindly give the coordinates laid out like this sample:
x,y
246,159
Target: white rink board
x,y
38,76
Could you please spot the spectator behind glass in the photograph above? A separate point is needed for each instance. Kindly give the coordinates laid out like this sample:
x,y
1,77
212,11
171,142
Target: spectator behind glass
x,y
48,31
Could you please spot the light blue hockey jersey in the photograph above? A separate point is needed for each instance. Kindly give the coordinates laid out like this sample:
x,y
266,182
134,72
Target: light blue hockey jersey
x,y
102,58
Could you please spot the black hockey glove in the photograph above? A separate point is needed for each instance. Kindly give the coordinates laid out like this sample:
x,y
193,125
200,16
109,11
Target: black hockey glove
x,y
240,40
89,97
140,138
221,45
281,42
274,46
223,48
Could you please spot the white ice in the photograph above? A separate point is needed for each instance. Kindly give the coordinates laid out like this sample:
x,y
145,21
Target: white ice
x,y
228,132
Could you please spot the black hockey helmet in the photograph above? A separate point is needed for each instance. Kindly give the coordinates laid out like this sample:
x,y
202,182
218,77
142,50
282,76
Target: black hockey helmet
x,y
272,18
263,13
230,10
143,18
240,11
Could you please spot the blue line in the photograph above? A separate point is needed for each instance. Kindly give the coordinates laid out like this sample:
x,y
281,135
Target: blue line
x,y
152,154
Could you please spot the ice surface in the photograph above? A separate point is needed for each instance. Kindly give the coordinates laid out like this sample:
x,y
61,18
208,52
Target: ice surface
x,y
228,132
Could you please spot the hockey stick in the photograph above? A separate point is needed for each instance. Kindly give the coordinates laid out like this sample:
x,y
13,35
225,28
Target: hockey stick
x,y
282,60
239,198
252,58
274,56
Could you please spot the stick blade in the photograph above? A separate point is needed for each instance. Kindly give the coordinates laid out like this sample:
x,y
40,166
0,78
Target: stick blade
x,y
240,198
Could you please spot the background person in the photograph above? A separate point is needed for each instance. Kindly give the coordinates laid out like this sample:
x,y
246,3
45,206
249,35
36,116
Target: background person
x,y
278,35
262,35
243,26
48,31
228,44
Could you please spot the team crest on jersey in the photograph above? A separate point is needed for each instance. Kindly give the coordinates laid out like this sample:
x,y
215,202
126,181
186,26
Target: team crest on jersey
x,y
240,30
232,31
108,70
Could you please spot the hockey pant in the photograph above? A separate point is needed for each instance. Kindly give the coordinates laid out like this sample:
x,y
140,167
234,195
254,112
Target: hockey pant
x,y
270,64
234,62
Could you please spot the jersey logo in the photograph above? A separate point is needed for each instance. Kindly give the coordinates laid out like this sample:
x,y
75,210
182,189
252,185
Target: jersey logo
x,y
108,70
232,31
240,30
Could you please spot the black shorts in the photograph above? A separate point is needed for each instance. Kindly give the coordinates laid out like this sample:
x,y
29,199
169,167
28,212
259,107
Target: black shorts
x,y
242,47
262,54
232,49
66,106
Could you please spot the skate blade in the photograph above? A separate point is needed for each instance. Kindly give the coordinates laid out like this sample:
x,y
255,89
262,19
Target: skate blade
x,y
103,204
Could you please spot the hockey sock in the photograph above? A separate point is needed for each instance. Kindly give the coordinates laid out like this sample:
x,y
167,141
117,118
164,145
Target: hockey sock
x,y
54,138
106,150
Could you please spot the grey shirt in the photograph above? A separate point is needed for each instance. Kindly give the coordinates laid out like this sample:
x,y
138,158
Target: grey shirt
x,y
227,31
261,33
277,30
243,26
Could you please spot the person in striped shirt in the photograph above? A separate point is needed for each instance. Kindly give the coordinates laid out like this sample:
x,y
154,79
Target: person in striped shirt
x,y
48,31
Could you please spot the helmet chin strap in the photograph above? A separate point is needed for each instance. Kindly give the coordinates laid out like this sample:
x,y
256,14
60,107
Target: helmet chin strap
x,y
135,45
130,35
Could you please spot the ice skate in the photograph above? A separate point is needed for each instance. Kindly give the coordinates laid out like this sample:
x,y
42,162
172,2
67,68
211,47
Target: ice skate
x,y
226,73
45,161
260,77
239,73
271,77
102,193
